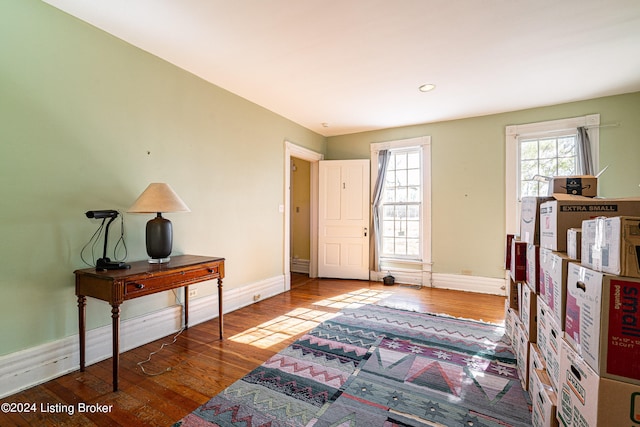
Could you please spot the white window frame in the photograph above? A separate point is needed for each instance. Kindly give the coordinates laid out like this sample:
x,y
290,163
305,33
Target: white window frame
x,y
533,130
425,263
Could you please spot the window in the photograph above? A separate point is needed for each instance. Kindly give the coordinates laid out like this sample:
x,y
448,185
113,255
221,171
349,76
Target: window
x,y
545,157
401,209
536,150
402,214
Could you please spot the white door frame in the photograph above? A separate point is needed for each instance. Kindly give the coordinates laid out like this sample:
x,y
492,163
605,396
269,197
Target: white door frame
x,y
293,150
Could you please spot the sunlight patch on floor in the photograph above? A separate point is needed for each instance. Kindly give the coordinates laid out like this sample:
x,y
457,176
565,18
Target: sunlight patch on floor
x,y
301,320
355,299
283,327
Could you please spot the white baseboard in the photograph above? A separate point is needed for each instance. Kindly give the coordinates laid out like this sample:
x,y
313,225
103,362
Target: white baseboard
x,y
36,365
405,276
300,265
483,285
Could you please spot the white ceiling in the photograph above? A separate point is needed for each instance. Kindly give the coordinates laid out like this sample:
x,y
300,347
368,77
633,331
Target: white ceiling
x,y
357,64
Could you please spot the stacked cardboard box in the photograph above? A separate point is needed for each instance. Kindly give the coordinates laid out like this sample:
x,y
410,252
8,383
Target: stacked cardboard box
x,y
557,216
585,344
524,282
611,245
543,400
599,372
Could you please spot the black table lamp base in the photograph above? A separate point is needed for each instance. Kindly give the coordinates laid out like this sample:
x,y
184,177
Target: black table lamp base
x,y
159,239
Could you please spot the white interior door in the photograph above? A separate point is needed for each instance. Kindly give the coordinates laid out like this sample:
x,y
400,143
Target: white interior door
x,y
343,237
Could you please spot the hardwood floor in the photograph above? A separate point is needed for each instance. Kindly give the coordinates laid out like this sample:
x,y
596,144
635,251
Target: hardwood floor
x,y
199,365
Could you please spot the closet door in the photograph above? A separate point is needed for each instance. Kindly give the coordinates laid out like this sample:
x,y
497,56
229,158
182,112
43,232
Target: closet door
x,y
343,222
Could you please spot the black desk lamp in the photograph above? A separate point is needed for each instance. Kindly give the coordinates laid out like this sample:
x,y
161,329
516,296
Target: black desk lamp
x,y
105,263
159,198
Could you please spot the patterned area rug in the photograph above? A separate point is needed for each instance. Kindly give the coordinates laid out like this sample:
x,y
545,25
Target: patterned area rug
x,y
379,366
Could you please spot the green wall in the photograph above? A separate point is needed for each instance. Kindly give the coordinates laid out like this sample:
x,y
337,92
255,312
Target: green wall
x,y
87,122
468,174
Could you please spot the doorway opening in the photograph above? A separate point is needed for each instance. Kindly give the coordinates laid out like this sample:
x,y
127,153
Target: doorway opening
x,y
293,151
300,219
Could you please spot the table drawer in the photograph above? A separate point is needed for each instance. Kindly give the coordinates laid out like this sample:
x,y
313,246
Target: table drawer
x,y
160,281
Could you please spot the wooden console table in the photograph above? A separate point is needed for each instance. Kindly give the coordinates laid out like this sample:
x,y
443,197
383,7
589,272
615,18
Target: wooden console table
x,y
143,278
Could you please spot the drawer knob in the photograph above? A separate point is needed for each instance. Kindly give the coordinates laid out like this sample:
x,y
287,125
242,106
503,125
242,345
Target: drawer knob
x,y
212,270
139,286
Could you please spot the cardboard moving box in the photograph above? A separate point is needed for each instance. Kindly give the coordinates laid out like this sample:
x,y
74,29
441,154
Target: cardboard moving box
x,y
585,399
549,337
536,361
612,245
521,349
542,329
543,401
552,358
511,317
530,218
518,268
533,267
579,185
565,212
554,271
529,313
507,252
513,294
574,243
603,322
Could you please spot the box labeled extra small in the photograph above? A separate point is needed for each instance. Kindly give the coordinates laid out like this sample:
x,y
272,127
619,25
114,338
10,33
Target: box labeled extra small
x,y
579,185
585,399
530,218
603,322
612,245
565,212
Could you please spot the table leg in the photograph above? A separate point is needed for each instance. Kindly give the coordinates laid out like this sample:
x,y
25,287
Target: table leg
x,y
220,321
82,309
186,307
115,316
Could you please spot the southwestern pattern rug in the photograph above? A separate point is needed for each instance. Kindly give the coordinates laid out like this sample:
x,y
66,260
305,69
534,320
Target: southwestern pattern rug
x,y
379,366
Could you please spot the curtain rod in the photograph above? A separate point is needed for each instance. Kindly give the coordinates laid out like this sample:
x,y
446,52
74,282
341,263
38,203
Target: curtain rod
x,y
571,128
602,126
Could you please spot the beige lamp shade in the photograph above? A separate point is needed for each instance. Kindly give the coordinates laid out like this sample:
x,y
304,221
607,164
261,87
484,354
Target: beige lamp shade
x,y
158,197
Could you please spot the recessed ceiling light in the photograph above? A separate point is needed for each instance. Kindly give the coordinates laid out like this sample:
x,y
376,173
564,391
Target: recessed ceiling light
x,y
325,125
427,87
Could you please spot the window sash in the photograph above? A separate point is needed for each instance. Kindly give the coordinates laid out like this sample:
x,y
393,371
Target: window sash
x,y
402,232
552,158
402,190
